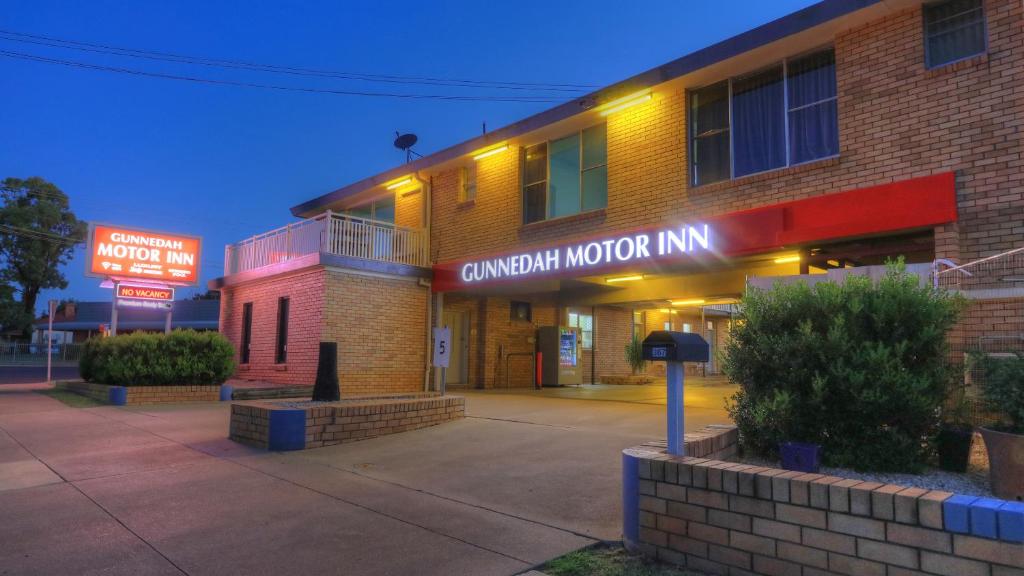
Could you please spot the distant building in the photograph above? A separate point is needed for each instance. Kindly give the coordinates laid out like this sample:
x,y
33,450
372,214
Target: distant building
x,y
77,321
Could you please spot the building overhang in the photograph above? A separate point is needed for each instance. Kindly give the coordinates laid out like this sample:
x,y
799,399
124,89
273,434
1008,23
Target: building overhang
x,y
318,259
714,242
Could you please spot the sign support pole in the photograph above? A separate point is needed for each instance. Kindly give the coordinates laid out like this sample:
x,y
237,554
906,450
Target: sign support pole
x,y
49,343
674,404
167,322
113,314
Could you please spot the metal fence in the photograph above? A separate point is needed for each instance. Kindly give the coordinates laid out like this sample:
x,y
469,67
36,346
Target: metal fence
x,y
19,354
330,233
993,322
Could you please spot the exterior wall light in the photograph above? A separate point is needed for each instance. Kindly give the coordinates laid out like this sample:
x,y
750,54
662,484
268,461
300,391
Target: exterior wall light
x,y
490,152
693,302
399,184
626,102
624,278
787,259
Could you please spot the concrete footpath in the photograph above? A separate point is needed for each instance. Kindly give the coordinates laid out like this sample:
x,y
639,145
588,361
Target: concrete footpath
x,y
160,490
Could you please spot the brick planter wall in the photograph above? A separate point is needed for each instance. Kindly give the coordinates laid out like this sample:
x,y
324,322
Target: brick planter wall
x,y
282,426
729,518
132,395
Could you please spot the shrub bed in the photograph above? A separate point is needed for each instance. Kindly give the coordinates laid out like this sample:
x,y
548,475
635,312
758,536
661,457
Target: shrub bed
x,y
859,368
181,357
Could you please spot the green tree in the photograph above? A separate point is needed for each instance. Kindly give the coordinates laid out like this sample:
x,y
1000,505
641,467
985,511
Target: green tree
x,y
38,233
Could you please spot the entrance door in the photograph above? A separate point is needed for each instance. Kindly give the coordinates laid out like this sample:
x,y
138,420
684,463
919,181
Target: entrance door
x,y
458,364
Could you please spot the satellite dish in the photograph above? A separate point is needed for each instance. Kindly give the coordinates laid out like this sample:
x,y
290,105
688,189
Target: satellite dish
x,y
405,141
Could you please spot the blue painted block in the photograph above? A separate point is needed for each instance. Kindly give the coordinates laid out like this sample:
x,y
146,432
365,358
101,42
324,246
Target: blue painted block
x,y
956,513
287,430
225,392
983,517
1011,521
117,395
630,499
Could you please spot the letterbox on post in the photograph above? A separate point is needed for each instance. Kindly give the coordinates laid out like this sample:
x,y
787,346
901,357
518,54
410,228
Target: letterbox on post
x,y
674,348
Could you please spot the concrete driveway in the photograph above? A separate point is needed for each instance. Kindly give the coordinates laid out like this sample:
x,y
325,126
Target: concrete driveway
x,y
155,490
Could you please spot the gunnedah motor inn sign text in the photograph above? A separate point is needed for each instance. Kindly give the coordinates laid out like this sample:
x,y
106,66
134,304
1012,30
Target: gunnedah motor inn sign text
x,y
683,240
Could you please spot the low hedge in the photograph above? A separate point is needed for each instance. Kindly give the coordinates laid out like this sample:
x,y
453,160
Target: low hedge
x,y
183,357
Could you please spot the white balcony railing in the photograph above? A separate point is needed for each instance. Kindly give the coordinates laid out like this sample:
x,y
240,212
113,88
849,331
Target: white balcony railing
x,y
330,233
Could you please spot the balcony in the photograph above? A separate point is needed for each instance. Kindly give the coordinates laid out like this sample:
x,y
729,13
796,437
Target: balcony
x,y
334,234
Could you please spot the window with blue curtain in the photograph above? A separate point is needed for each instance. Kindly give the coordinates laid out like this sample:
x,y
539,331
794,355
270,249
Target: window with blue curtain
x,y
758,122
953,30
566,176
813,116
778,117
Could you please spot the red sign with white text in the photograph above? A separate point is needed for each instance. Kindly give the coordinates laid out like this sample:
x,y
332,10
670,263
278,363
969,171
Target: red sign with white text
x,y
128,253
144,292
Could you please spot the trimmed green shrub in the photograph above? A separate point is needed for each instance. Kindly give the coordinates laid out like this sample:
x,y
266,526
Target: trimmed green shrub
x,y
183,357
1002,388
859,368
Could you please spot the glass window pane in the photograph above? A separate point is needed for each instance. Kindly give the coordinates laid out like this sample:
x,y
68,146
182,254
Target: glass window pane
x,y
814,132
384,209
758,122
595,146
595,188
711,158
812,78
709,130
364,211
564,174
536,169
954,30
535,199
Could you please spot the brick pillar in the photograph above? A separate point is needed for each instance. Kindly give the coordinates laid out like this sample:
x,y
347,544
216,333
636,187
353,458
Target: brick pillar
x,y
947,242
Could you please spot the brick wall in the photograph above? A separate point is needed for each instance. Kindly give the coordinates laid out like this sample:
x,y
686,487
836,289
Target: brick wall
x,y
305,291
897,121
727,518
613,329
379,323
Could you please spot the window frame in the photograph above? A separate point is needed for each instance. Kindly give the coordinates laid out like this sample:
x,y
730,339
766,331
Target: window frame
x,y
579,326
925,37
245,342
464,183
281,340
547,175
786,123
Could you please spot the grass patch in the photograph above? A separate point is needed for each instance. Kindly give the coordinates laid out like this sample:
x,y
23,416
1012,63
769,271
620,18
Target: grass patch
x,y
609,561
70,398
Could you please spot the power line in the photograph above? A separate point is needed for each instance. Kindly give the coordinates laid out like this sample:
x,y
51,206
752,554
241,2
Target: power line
x,y
38,234
297,71
170,56
449,97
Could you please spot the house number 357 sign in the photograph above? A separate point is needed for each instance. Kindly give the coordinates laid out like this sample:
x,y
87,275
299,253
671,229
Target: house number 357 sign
x,y
442,346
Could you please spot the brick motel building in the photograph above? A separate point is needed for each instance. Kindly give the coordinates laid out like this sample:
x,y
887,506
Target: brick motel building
x,y
829,140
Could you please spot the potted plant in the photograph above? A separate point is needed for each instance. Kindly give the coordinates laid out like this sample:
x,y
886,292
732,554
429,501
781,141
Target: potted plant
x,y
1002,387
953,442
635,355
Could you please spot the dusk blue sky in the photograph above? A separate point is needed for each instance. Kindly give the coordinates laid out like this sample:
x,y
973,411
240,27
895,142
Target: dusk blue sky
x,y
228,162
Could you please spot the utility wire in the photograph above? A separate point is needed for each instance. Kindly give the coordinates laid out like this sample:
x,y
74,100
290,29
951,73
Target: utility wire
x,y
245,65
449,97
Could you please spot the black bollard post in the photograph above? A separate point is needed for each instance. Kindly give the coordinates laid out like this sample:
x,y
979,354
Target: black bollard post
x,y
326,387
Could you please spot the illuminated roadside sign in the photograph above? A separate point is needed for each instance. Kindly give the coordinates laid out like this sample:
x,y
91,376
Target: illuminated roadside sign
x,y
143,304
119,252
145,292
584,256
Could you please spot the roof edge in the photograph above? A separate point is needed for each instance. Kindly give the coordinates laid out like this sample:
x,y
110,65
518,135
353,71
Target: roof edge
x,y
793,23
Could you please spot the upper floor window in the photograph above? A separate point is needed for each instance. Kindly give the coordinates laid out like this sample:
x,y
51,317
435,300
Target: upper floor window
x,y
382,209
566,176
953,30
777,117
467,183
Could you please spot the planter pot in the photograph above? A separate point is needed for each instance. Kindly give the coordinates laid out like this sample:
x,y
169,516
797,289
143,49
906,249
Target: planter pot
x,y
954,447
800,456
1006,463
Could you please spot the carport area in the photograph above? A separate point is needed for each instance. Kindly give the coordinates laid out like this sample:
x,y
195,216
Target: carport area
x,y
524,478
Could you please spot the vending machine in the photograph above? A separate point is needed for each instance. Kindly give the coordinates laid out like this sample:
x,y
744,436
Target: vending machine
x,y
558,356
